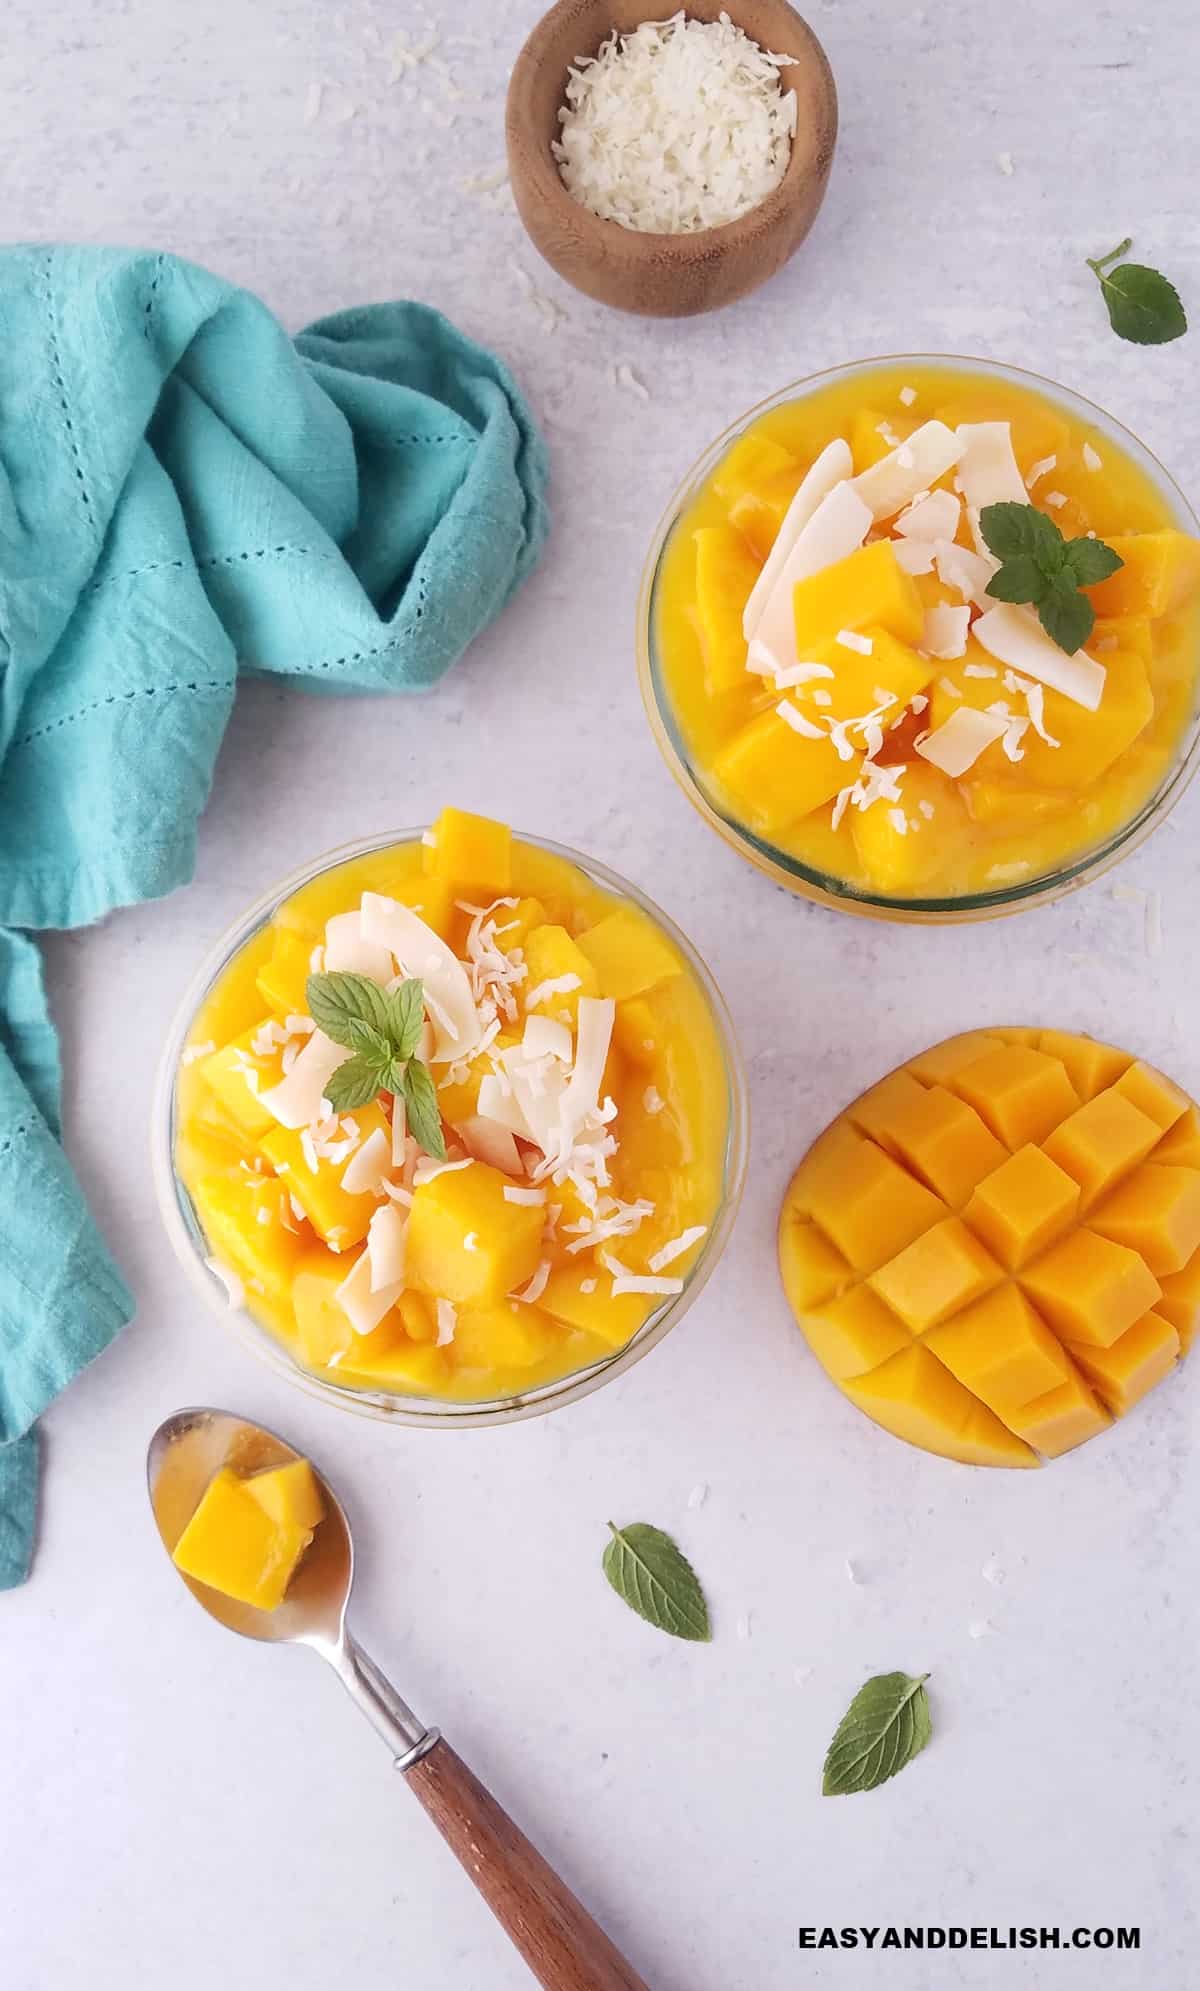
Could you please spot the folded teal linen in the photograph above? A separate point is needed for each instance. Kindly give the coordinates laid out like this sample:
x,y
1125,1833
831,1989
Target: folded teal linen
x,y
186,493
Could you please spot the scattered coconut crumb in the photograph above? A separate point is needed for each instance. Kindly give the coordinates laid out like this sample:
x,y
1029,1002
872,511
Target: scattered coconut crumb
x,y
992,1573
623,375
802,1674
484,182
1092,460
1056,498
548,309
744,1625
981,1628
908,395
1005,162
312,102
697,1497
852,1571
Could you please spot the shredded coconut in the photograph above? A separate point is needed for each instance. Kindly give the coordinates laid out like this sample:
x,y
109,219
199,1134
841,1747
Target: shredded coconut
x,y
680,126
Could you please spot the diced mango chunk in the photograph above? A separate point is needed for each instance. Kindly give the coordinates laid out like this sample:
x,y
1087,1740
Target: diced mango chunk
x,y
232,1544
1023,1206
726,570
1088,743
1061,1419
638,1031
1156,1212
583,1298
941,1138
774,775
249,1225
323,1331
813,1270
864,683
1022,1094
1090,1289
336,1215
237,1074
1001,1349
901,843
629,954
854,1333
1122,1373
289,1494
1161,570
1104,1140
466,1242
914,1396
508,1335
472,851
1090,1066
1181,1146
870,1207
752,460
940,1272
1152,1094
552,955
283,977
867,587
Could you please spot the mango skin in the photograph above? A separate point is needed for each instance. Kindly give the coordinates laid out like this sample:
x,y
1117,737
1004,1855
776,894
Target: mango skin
x,y
1038,1199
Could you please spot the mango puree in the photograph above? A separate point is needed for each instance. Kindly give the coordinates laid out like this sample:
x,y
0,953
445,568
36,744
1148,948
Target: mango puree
x,y
996,1250
505,1285
1006,819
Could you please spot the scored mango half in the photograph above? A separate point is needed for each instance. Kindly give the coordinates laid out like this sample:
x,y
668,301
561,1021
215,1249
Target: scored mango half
x,y
996,1250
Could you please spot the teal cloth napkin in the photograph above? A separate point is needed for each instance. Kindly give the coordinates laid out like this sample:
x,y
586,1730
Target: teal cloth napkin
x,y
186,493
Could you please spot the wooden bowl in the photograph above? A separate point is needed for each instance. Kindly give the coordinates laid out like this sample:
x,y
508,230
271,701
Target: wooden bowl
x,y
664,276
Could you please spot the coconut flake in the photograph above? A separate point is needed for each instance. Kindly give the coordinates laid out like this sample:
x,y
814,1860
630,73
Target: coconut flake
x,y
945,632
836,529
793,717
537,1285
385,1247
364,1304
896,479
967,572
299,1098
349,951
364,1172
553,986
676,1247
1040,469
832,467
1015,637
447,1321
934,516
1091,458
419,951
625,1281
914,555
957,743
197,1051
988,473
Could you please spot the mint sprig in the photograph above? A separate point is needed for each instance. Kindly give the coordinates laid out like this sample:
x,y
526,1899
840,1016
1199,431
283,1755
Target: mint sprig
x,y
1039,566
1143,306
381,1028
885,1726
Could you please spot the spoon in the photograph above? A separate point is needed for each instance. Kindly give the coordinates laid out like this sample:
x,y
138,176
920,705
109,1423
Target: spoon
x,y
564,1948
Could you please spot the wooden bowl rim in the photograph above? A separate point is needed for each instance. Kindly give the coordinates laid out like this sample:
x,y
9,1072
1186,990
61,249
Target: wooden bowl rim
x,y
644,245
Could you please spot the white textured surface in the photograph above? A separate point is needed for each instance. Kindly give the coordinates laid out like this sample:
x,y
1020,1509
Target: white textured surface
x,y
183,1805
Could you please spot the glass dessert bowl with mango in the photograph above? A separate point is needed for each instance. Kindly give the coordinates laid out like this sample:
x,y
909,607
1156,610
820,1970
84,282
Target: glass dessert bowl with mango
x,y
455,1122
920,638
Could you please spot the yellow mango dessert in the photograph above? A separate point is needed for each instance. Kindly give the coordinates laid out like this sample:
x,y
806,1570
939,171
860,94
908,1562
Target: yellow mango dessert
x,y
453,1122
996,1250
247,1535
847,695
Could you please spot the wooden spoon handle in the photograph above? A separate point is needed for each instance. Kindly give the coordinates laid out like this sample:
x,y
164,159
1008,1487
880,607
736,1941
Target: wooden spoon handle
x,y
558,1939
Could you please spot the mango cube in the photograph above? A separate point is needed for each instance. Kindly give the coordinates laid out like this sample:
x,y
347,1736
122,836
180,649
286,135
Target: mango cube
x,y
467,1242
552,955
232,1544
508,1335
1156,1212
753,460
1122,1373
1089,1289
283,977
1106,1139
867,587
237,1074
1020,1311
629,954
1021,1093
289,1494
900,844
726,570
582,1297
774,775
473,851
323,1331
1090,742
1022,1207
891,668
336,1215
249,1225
1161,570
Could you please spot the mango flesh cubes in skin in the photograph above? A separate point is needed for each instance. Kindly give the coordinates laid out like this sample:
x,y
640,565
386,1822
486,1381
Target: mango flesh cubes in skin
x,y
1078,776
996,1250
273,1203
246,1536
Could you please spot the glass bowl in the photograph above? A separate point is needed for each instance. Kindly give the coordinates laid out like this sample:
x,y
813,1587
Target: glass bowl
x,y
190,1246
788,870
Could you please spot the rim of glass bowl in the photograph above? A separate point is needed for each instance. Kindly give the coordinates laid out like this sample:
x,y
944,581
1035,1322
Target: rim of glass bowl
x,y
806,880
187,1236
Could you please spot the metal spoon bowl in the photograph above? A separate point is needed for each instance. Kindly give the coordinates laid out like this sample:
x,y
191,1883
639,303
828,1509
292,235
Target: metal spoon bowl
x,y
565,1949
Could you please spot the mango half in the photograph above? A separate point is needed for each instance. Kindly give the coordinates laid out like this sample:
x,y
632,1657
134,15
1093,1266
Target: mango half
x,y
996,1250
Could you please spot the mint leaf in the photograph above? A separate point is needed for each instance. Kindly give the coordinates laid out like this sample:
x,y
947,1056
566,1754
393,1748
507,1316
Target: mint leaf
x,y
1066,615
1039,566
334,999
368,1042
353,1084
1020,579
1143,306
885,1726
420,1103
1090,560
406,1017
1011,530
656,1580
